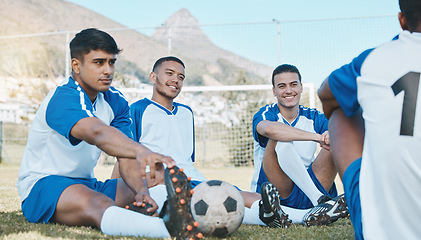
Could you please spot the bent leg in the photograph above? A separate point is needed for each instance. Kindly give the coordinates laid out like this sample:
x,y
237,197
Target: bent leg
x,y
274,172
347,139
324,169
287,170
79,205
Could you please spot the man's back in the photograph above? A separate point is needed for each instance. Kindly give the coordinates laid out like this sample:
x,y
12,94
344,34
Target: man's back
x,y
390,170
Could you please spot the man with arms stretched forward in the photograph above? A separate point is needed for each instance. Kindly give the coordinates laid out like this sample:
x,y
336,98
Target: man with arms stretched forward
x,y
77,120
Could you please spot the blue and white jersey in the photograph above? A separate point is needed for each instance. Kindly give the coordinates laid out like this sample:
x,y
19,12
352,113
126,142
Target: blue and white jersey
x,y
170,133
51,150
308,119
384,83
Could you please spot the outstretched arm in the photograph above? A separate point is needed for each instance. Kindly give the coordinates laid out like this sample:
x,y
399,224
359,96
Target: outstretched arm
x,y
115,143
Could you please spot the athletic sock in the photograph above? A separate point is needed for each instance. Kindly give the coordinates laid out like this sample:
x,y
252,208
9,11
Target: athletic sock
x,y
296,215
251,215
159,194
118,221
293,166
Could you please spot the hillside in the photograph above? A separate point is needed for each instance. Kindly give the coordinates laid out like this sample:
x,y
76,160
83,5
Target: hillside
x,y
44,56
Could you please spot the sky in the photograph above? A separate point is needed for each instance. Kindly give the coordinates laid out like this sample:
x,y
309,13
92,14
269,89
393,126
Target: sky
x,y
145,15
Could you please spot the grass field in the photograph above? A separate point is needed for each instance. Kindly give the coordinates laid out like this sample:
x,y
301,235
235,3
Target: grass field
x,y
13,224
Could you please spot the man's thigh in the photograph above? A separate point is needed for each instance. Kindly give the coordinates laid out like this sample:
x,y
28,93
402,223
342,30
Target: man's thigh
x,y
298,199
274,172
53,194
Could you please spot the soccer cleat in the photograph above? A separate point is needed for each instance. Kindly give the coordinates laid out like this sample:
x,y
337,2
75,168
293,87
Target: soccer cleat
x,y
327,212
140,209
270,211
176,211
323,199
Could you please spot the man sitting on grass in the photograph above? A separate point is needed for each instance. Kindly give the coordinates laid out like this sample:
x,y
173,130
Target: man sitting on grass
x,y
77,120
167,127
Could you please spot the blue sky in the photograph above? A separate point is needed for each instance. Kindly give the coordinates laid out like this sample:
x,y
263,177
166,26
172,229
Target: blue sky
x,y
147,14
139,13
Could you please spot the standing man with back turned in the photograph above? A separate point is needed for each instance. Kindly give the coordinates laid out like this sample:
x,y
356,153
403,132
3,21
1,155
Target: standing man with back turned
x,y
374,102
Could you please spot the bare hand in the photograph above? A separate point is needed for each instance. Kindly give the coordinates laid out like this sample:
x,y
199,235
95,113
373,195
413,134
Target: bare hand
x,y
143,197
154,161
325,143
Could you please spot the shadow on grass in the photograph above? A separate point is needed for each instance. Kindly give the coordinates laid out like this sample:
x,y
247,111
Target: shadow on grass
x,y
15,223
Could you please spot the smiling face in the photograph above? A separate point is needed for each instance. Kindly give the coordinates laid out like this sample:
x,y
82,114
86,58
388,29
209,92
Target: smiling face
x,y
95,72
168,81
287,89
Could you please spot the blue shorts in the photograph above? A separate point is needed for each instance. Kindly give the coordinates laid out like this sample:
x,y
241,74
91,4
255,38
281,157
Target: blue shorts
x,y
351,182
41,202
298,199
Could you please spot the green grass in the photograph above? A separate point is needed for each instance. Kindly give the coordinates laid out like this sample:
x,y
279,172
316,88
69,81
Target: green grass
x,y
13,224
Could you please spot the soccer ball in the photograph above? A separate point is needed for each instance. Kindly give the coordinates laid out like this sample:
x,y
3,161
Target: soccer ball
x,y
218,207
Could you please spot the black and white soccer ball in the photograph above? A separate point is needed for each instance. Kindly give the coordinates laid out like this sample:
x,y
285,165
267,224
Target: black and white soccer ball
x,y
218,207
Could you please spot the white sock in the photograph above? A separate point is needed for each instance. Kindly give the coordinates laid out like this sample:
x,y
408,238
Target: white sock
x,y
251,215
159,194
118,221
293,166
296,215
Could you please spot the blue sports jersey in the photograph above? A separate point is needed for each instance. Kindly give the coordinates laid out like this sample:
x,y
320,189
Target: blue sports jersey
x,y
384,83
170,133
308,119
51,150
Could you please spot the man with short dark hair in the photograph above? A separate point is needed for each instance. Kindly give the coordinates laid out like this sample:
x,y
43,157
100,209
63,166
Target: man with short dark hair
x,y
77,120
286,136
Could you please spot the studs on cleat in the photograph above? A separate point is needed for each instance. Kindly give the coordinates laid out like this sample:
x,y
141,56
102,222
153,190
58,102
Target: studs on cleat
x,y
177,214
189,179
191,192
127,207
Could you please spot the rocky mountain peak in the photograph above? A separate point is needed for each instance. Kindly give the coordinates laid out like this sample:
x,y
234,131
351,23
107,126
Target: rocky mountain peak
x,y
181,26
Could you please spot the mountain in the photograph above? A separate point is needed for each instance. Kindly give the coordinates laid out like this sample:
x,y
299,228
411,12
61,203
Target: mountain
x,y
32,55
187,36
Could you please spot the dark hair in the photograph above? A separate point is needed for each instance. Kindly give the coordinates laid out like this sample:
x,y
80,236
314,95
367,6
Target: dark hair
x,y
166,59
411,9
92,39
285,68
